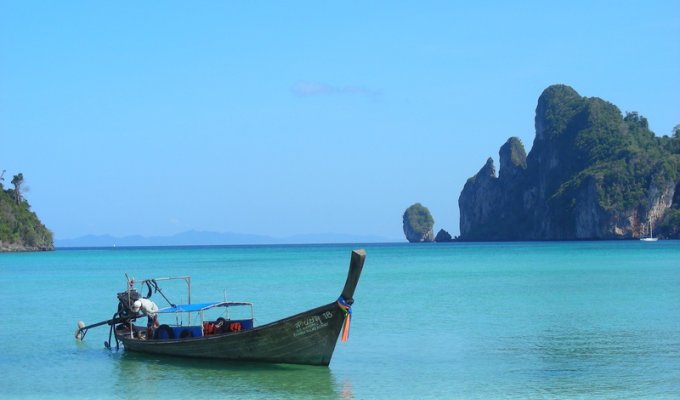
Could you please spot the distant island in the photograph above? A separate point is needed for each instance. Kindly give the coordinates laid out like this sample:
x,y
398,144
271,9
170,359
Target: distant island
x,y
20,228
592,173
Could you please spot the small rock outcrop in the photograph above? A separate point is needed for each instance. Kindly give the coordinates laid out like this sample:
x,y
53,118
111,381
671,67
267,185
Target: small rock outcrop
x,y
418,223
443,237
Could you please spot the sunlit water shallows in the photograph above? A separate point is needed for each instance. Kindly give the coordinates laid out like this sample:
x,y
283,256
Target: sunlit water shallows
x,y
488,320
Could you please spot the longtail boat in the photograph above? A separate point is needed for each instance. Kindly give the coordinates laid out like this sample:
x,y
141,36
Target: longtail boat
x,y
305,338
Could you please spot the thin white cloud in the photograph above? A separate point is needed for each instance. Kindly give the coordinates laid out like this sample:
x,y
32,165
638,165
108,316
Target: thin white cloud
x,y
307,88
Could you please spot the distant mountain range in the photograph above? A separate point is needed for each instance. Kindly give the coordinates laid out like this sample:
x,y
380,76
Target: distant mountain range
x,y
202,238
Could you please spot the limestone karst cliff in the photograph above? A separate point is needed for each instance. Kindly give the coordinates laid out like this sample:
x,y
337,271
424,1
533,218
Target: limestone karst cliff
x,y
592,173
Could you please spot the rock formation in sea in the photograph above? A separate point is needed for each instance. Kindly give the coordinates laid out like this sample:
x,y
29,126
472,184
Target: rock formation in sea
x,y
418,223
443,236
592,173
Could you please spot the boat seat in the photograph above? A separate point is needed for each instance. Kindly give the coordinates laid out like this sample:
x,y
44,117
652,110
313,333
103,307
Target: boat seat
x,y
183,332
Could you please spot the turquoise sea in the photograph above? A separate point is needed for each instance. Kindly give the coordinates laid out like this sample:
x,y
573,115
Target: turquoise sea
x,y
461,320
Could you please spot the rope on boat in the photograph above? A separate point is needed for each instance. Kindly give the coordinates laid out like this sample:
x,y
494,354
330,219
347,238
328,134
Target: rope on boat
x,y
158,290
347,308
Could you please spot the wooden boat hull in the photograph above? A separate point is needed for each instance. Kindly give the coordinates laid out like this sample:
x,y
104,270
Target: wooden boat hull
x,y
305,338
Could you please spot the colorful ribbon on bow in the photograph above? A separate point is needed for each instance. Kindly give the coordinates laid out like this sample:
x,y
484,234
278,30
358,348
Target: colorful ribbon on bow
x,y
348,317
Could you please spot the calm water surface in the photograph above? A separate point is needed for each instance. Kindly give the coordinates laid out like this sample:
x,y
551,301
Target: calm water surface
x,y
488,320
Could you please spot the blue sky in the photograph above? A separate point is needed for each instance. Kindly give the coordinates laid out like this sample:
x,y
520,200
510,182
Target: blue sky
x,y
285,118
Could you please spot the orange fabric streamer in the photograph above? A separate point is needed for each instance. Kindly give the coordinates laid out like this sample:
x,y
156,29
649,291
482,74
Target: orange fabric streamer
x,y
345,327
348,317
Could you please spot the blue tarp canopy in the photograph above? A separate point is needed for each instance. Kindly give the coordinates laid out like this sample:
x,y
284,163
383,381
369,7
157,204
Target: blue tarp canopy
x,y
200,306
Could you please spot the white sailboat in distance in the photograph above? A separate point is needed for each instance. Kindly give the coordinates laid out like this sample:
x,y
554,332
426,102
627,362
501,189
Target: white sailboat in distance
x,y
651,237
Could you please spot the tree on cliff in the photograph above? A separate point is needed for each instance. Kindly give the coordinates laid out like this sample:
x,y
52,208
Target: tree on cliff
x,y
17,181
418,223
20,228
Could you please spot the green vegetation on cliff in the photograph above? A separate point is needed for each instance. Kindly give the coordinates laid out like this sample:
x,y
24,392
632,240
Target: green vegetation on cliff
x,y
625,159
669,226
20,228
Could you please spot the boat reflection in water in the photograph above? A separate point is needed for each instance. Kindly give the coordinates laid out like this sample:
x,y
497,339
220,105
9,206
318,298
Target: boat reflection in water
x,y
157,376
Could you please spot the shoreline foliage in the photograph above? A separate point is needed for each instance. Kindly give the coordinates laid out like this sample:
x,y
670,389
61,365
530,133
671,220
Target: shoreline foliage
x,y
20,228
